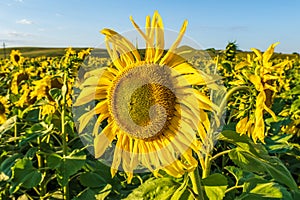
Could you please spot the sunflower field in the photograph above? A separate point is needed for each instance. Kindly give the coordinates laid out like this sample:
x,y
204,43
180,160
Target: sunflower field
x,y
150,123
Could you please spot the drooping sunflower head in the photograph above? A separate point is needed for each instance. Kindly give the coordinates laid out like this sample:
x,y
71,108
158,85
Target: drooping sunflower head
x,y
146,105
3,109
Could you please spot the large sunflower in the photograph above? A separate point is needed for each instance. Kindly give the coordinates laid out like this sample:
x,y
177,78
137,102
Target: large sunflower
x,y
146,106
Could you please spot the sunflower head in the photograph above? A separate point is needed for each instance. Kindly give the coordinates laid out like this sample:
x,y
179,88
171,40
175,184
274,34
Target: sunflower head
x,y
145,105
3,109
16,57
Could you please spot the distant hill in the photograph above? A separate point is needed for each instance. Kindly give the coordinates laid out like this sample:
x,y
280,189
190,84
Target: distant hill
x,y
185,51
44,51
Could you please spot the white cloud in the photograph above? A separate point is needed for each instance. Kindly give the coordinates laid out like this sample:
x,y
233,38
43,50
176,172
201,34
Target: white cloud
x,y
58,14
14,34
24,21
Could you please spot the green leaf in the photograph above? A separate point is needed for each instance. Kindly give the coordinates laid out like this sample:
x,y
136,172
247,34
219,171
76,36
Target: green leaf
x,y
32,115
6,165
24,175
31,153
86,194
156,189
66,166
92,179
257,188
270,165
279,143
104,192
240,175
25,140
255,158
243,142
215,186
182,192
55,93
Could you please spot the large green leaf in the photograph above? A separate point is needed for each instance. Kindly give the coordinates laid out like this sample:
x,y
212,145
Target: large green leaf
x,y
215,186
24,175
271,165
7,164
92,179
257,188
156,189
255,158
243,142
66,166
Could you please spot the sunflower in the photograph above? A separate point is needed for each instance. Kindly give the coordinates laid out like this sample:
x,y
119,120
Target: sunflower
x,y
48,108
20,77
3,109
24,97
16,57
41,87
262,79
146,106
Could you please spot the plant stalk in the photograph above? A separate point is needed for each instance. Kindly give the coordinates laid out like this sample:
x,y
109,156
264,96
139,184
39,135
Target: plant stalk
x,y
64,142
196,183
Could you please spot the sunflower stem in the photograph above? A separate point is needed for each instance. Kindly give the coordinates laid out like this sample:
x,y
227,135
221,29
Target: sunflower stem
x,y
196,183
207,166
64,142
15,132
228,96
220,154
40,167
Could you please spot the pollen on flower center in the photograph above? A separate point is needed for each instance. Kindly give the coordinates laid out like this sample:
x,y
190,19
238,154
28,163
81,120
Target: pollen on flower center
x,y
142,100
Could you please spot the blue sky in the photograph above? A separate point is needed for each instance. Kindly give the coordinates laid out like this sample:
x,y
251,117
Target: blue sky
x,y
211,23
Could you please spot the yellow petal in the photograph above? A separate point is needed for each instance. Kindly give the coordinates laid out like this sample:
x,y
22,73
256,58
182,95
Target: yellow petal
x,y
256,80
170,54
103,140
268,53
84,119
257,53
241,126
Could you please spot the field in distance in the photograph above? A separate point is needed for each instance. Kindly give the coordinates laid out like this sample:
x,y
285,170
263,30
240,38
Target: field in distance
x,y
55,51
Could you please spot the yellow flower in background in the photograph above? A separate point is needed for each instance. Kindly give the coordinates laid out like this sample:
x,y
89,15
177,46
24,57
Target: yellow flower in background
x,y
17,78
83,53
24,97
16,57
3,109
48,108
153,114
262,73
41,87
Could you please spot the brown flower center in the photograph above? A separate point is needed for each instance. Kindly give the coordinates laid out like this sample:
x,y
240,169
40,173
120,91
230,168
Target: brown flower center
x,y
142,100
